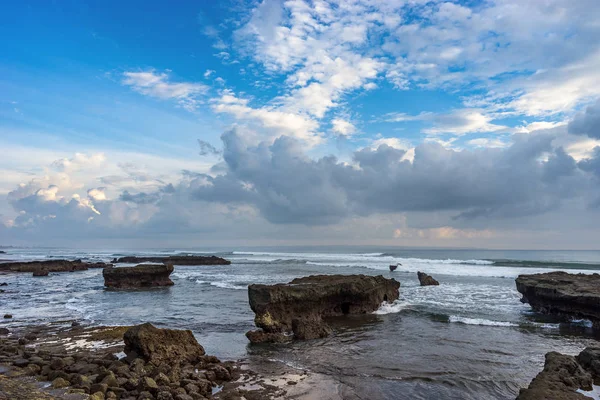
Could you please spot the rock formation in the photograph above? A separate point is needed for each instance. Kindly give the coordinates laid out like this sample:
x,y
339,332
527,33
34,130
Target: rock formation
x,y
563,375
426,280
563,294
175,260
140,276
156,346
299,307
51,266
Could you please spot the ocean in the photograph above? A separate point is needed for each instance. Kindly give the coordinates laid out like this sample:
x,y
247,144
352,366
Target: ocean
x,y
469,338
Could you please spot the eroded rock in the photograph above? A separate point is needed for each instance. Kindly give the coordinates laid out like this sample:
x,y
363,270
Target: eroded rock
x,y
50,266
563,294
563,376
426,280
140,276
310,299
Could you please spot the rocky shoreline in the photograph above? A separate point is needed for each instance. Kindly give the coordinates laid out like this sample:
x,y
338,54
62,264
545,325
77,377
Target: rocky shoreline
x,y
139,362
43,267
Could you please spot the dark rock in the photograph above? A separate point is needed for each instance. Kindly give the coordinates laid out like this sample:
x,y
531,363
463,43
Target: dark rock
x,y
158,346
41,272
99,387
176,260
561,377
50,266
21,362
31,337
139,276
307,329
426,280
4,331
314,297
260,336
590,360
60,383
145,396
7,316
3,284
75,324
22,341
562,294
57,364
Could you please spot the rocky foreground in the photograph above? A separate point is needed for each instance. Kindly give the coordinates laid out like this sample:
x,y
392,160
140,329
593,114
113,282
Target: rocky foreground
x,y
140,276
129,363
175,260
564,377
296,309
563,294
41,268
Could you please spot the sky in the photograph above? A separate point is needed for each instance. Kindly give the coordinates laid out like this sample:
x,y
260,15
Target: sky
x,y
358,122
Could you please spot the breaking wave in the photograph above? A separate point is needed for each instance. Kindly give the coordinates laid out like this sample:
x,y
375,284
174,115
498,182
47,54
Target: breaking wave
x,y
479,321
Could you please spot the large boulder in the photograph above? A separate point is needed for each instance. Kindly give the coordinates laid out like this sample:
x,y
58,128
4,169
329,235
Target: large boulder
x,y
175,260
563,376
51,266
140,276
426,280
562,294
299,306
156,346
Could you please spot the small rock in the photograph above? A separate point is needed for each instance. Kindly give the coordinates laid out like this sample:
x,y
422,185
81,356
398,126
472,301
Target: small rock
x,y
111,396
164,395
97,396
57,364
7,316
75,323
110,379
23,341
183,397
60,383
292,383
191,388
21,362
148,384
145,396
4,331
99,387
162,379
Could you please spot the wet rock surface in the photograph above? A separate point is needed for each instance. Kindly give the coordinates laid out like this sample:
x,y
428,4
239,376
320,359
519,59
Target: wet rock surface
x,y
175,260
159,364
50,266
563,294
299,306
426,280
140,276
563,376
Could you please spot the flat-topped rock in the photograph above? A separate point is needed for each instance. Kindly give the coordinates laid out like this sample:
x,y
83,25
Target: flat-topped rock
x,y
51,266
300,305
563,376
175,260
563,294
140,276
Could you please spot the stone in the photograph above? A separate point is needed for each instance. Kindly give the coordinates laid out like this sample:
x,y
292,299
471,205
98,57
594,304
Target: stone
x,y
562,294
110,379
164,395
21,362
60,383
158,346
162,379
97,396
176,260
426,280
145,396
7,316
99,387
57,363
4,331
148,384
563,375
140,276
183,397
312,298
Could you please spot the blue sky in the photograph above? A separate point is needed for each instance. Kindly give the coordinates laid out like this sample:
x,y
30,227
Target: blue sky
x,y
193,120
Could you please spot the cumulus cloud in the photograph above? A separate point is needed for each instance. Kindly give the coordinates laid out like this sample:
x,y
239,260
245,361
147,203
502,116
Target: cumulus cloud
x,y
587,122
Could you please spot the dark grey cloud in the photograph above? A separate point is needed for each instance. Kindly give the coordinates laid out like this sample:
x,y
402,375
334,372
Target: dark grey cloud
x,y
207,148
587,122
289,187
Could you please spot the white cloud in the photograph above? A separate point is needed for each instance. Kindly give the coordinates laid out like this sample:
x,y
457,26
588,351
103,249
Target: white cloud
x,y
159,85
275,121
342,127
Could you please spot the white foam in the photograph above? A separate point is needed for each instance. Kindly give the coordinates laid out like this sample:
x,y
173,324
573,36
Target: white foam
x,y
479,321
228,285
391,308
592,394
